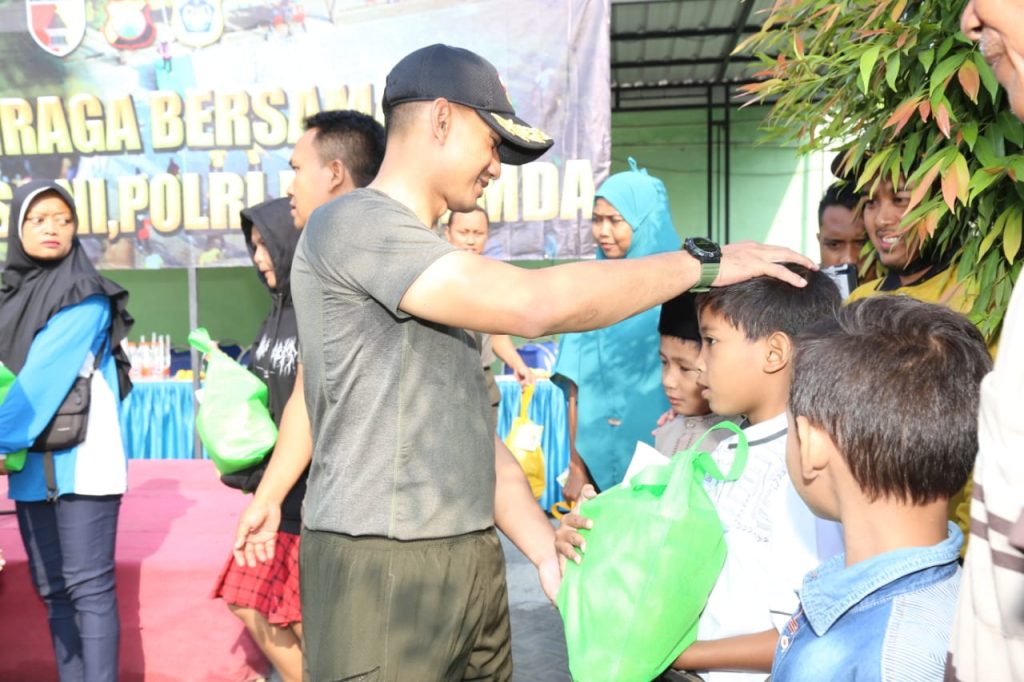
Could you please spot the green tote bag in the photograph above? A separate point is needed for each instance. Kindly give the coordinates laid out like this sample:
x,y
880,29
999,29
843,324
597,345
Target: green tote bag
x,y
653,556
233,421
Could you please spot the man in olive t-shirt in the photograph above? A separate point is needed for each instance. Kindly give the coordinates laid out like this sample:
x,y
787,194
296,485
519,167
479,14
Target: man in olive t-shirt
x,y
391,455
402,572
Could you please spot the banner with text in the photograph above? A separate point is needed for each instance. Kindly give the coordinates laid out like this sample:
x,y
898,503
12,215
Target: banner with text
x,y
165,118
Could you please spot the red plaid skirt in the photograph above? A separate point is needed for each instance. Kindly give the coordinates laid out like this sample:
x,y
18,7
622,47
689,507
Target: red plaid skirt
x,y
271,588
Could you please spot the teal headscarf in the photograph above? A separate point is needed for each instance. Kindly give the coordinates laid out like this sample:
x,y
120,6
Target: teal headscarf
x,y
616,370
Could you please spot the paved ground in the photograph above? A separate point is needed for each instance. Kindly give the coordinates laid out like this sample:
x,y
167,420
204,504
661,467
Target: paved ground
x,y
538,643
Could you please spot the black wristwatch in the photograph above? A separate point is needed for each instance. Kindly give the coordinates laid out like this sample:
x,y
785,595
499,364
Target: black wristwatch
x,y
710,255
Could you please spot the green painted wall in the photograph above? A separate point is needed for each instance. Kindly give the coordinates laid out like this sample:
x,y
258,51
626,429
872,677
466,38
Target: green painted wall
x,y
232,302
774,193
774,197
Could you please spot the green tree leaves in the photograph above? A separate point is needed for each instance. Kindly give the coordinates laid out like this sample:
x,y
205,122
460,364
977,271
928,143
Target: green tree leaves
x,y
911,100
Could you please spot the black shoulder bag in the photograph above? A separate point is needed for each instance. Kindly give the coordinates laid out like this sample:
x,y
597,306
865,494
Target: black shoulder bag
x,y
69,425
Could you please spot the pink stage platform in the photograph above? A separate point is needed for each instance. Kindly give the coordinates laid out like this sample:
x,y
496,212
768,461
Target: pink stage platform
x,y
175,531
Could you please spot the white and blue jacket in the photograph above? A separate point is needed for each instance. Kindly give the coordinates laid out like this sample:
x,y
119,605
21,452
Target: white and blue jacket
x,y
62,350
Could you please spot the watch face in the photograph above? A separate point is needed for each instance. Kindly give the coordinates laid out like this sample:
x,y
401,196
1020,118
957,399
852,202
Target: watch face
x,y
703,248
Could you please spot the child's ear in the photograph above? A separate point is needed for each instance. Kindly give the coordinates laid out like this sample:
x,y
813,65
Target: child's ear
x,y
778,351
816,448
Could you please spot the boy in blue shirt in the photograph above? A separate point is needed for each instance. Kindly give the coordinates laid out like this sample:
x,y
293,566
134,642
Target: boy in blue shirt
x,y
882,432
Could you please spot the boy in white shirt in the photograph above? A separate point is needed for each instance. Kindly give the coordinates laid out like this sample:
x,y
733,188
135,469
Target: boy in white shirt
x,y
773,539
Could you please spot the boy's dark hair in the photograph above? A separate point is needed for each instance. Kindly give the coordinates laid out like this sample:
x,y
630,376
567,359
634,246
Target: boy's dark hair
x,y
354,138
895,382
764,305
838,194
679,318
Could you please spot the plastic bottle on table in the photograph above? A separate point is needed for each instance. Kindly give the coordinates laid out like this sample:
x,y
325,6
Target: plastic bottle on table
x,y
145,360
165,357
135,372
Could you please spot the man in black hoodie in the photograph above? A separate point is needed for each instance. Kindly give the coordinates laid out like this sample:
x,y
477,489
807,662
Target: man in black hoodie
x,y
266,597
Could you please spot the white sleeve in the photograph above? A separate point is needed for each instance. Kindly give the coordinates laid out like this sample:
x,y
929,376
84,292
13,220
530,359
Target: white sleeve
x,y
793,551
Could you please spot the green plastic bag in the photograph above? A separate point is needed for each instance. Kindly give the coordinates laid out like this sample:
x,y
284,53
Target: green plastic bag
x,y
233,422
15,461
652,558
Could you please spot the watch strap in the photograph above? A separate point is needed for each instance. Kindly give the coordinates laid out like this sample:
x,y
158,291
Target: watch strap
x,y
708,274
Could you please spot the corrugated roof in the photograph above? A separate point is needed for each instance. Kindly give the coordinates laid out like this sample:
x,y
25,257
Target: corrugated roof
x,y
674,53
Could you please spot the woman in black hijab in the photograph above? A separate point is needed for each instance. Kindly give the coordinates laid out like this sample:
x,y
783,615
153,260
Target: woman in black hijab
x,y
266,596
61,325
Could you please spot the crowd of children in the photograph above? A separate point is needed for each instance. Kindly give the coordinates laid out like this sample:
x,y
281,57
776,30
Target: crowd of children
x,y
861,422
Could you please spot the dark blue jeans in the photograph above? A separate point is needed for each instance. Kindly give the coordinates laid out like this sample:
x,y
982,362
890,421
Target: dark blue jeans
x,y
70,547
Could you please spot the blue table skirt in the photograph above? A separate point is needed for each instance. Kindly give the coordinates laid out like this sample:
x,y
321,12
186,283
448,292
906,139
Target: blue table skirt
x,y
548,409
157,421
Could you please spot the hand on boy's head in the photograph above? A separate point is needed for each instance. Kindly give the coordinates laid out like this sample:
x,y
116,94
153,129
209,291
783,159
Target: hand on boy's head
x,y
745,260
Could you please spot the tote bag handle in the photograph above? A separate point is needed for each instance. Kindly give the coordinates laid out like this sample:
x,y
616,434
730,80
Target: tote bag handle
x,y
674,478
524,402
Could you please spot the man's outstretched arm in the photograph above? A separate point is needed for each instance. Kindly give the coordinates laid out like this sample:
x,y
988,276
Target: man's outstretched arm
x,y
464,290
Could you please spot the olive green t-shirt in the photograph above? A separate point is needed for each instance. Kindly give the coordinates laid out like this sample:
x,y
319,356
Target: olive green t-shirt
x,y
403,437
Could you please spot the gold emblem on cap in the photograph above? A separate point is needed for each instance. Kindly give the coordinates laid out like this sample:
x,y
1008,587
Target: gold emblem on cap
x,y
519,130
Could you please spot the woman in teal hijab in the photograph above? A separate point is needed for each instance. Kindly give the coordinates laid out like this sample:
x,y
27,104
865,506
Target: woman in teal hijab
x,y
612,376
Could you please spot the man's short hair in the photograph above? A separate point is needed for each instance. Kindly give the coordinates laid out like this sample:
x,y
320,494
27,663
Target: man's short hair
x,y
399,117
895,382
764,305
356,139
838,194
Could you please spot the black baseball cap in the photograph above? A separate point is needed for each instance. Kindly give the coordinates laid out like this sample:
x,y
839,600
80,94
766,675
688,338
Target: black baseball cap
x,y
466,78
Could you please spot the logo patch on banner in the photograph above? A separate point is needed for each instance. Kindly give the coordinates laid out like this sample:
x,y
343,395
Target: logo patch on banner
x,y
57,26
198,23
129,25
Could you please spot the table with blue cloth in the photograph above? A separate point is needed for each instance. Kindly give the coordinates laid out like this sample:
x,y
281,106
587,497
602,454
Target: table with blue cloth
x,y
157,421
548,408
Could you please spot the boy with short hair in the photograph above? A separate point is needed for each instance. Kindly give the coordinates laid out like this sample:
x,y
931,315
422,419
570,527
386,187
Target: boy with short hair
x,y
690,416
883,431
772,537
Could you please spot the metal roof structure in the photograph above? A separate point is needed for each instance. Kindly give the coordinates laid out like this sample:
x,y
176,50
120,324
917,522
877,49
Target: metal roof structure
x,y
677,54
